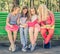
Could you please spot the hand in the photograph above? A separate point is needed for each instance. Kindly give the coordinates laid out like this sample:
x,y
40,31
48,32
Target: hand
x,y
48,26
52,27
21,26
25,25
43,26
11,26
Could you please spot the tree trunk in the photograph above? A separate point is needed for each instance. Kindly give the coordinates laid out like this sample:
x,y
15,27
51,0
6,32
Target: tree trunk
x,y
15,2
59,5
31,3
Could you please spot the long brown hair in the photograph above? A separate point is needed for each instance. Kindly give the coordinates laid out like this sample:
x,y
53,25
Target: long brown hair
x,y
27,13
30,11
14,7
34,9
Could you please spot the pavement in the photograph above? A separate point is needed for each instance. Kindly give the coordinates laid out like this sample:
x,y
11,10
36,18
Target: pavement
x,y
38,50
53,50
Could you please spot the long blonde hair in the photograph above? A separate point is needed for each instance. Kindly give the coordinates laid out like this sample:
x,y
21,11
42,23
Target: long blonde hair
x,y
42,12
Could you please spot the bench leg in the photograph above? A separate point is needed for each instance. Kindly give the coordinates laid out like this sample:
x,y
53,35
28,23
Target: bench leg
x,y
47,46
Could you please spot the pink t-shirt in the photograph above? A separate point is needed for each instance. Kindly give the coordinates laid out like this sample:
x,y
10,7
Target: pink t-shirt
x,y
50,20
33,21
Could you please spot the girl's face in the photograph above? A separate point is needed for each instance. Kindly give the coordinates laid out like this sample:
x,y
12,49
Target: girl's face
x,y
24,11
17,10
32,11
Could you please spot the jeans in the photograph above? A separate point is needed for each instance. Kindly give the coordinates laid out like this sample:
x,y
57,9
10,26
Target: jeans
x,y
23,36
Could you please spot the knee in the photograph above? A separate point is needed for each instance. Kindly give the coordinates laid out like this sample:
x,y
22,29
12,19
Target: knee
x,y
8,31
51,31
42,32
30,30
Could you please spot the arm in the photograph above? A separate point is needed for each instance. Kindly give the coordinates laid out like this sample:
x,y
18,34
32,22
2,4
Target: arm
x,y
53,20
7,22
18,21
23,24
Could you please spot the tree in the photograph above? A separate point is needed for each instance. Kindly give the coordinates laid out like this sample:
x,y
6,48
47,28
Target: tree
x,y
15,2
31,3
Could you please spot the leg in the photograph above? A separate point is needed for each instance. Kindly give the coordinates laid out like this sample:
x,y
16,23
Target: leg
x,y
26,35
14,35
31,35
22,36
49,36
47,46
43,33
35,34
32,38
12,46
10,37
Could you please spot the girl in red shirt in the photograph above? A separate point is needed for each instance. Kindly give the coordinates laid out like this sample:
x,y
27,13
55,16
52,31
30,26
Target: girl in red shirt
x,y
46,19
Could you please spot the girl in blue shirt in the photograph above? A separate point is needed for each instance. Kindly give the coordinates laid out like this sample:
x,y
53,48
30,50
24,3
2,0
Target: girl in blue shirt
x,y
12,27
24,28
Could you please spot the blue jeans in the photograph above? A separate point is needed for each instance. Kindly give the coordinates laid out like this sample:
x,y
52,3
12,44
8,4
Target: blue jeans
x,y
24,36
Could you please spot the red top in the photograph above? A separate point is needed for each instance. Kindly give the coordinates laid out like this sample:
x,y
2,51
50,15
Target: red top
x,y
31,24
50,20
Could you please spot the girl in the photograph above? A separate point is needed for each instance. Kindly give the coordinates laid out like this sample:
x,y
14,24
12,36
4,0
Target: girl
x,y
46,19
33,28
24,28
11,26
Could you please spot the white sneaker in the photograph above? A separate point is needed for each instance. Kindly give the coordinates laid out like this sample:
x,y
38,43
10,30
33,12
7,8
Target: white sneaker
x,y
33,47
13,48
24,50
29,46
10,48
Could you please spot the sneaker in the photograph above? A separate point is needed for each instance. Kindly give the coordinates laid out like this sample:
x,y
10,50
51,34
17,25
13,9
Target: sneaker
x,y
24,49
10,48
13,48
29,46
47,46
33,47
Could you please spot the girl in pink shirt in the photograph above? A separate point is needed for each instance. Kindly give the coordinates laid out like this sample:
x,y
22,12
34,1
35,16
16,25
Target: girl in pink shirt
x,y
33,28
46,19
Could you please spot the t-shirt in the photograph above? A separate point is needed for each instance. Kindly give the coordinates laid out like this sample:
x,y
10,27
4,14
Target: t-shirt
x,y
23,19
12,18
50,20
33,18
33,21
